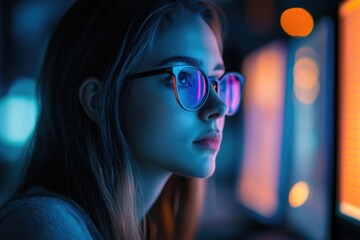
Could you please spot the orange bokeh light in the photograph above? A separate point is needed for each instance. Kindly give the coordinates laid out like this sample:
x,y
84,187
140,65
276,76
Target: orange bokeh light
x,y
299,193
306,80
297,22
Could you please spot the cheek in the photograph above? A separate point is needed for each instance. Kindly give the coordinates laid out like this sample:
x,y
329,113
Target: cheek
x,y
154,123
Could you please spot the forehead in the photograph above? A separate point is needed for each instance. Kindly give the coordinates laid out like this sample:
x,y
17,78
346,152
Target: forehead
x,y
188,36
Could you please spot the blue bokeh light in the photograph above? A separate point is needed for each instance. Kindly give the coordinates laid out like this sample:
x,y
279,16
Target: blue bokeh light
x,y
18,121
19,112
29,20
23,86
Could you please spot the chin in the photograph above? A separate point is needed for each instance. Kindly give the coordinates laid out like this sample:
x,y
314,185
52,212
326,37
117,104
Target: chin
x,y
202,166
206,174
203,171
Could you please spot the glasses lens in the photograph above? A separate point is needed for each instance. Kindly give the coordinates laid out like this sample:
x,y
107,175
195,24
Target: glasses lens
x,y
191,87
230,91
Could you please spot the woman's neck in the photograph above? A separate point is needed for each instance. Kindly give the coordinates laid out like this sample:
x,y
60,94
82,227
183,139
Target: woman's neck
x,y
153,182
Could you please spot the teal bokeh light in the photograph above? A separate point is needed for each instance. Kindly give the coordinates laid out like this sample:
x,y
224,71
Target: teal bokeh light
x,y
18,119
18,111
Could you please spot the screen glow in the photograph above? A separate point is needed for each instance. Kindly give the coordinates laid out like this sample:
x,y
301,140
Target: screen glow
x,y
349,153
258,187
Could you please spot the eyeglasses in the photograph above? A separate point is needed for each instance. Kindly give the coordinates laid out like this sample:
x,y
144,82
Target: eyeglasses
x,y
191,86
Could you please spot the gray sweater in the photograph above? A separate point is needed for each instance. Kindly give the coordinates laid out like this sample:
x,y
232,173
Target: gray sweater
x,y
45,216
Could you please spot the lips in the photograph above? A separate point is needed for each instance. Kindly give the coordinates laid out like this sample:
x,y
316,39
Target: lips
x,y
211,141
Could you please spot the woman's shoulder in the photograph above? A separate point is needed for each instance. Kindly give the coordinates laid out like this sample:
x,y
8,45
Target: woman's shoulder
x,y
45,216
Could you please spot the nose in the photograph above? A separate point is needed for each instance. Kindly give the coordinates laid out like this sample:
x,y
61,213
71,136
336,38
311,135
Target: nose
x,y
214,107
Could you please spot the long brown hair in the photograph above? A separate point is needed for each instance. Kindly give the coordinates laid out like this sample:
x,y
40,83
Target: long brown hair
x,y
91,163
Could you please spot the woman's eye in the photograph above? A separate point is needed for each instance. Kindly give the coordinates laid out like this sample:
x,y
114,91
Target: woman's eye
x,y
184,80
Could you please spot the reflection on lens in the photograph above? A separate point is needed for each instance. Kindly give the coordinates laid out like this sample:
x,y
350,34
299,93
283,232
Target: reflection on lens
x,y
230,92
191,87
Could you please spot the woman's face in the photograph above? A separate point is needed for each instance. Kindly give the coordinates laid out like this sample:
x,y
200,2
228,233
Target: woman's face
x,y
163,136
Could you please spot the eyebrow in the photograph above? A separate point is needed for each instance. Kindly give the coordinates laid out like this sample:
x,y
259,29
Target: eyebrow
x,y
191,61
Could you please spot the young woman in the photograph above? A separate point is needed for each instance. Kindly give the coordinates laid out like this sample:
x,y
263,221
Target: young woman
x,y
133,98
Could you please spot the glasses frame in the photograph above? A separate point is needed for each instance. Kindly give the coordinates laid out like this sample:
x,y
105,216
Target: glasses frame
x,y
210,82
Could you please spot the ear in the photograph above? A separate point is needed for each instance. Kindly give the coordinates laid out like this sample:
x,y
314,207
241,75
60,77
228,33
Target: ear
x,y
88,95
